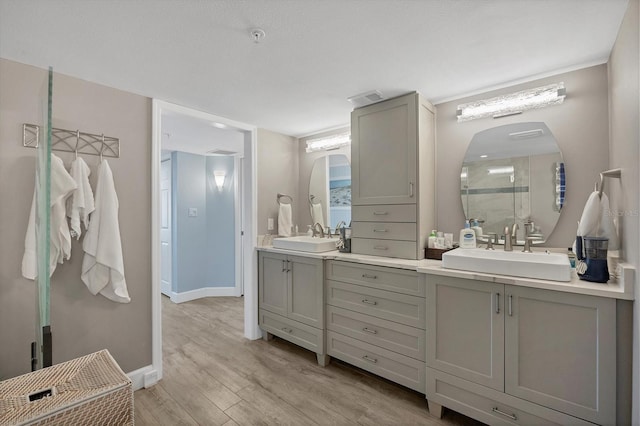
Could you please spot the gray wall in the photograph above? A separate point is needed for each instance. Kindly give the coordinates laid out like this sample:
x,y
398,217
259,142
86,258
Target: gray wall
x,y
204,248
81,323
580,126
221,241
277,161
624,135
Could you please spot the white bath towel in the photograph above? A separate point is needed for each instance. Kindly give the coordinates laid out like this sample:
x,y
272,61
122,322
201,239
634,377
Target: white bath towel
x,y
62,185
317,214
103,266
285,222
80,204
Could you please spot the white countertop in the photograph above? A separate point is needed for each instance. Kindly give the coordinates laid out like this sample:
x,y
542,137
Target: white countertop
x,y
622,289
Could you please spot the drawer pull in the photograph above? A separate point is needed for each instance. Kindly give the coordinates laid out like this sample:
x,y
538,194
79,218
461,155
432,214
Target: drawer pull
x,y
380,213
502,413
379,230
510,305
381,247
287,330
368,330
369,302
373,277
368,358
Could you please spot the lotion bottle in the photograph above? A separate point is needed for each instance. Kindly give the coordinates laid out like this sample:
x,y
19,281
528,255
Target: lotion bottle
x,y
467,237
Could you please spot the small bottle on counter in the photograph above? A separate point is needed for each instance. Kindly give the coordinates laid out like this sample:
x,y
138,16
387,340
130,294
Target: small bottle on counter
x,y
467,237
572,257
431,242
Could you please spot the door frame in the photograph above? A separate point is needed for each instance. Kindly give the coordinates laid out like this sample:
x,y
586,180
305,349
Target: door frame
x,y
248,216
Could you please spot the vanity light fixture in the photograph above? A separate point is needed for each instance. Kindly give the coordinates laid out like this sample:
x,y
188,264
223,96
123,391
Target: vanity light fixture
x,y
500,170
329,143
484,156
219,177
513,103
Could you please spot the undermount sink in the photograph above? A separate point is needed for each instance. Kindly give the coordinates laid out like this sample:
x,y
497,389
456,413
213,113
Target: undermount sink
x,y
306,243
540,265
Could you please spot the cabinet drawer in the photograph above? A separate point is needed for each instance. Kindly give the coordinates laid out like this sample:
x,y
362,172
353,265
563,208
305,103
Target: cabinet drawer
x,y
402,308
301,334
383,278
387,248
390,365
488,405
389,335
384,213
384,230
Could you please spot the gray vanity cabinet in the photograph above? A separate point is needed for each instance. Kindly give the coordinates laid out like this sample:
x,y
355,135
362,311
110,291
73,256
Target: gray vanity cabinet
x,y
393,177
539,352
291,299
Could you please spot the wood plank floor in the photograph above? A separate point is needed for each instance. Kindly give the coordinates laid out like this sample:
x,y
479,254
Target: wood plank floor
x,y
214,376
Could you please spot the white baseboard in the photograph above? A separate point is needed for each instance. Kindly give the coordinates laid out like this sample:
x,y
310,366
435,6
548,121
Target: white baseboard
x,y
143,377
186,296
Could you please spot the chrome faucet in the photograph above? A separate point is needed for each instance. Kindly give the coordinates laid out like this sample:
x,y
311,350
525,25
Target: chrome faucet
x,y
338,226
317,229
510,237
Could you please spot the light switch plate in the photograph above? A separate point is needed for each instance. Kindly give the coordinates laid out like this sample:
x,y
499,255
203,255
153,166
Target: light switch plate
x,y
193,212
270,224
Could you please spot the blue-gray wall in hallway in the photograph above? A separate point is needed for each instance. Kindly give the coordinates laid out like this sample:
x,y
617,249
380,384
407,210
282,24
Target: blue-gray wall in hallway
x,y
220,224
203,245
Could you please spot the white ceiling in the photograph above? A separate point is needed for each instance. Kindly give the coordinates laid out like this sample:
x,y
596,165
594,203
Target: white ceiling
x,y
315,54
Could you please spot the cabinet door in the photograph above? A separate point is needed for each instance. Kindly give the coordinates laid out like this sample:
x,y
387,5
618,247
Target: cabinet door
x,y
384,152
272,282
305,303
560,352
465,329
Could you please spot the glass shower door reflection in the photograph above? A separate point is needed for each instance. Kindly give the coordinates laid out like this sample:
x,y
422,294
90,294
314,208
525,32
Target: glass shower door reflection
x,y
41,349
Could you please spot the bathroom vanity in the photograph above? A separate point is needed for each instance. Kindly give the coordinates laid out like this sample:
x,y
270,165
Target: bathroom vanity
x,y
500,349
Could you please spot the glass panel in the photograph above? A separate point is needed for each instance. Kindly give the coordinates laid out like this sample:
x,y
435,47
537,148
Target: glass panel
x,y
43,225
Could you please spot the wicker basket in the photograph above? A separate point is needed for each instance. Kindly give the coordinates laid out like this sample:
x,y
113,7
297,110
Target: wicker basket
x,y
91,390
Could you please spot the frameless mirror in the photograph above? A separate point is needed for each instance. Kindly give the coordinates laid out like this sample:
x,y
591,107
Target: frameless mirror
x,y
513,174
330,190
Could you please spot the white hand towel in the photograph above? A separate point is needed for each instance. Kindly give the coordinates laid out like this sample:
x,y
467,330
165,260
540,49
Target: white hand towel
x,y
318,215
597,221
80,204
62,185
102,266
285,223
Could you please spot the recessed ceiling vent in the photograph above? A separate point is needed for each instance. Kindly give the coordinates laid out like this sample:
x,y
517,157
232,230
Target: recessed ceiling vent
x,y
366,98
221,152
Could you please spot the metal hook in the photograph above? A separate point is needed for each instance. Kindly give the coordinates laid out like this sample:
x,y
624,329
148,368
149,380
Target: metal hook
x,y
77,142
101,147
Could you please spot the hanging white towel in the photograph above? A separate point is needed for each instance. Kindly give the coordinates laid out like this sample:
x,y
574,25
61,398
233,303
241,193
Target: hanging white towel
x,y
285,222
318,215
102,266
597,221
62,185
80,204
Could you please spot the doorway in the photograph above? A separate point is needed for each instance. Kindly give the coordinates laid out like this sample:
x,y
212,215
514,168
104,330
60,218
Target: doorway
x,y
165,211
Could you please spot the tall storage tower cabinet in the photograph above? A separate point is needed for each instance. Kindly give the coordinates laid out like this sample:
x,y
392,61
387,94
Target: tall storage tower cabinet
x,y
393,177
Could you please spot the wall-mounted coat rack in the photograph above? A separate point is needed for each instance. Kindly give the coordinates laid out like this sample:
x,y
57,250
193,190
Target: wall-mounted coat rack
x,y
73,141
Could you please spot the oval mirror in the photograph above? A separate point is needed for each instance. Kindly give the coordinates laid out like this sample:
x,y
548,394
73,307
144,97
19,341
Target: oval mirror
x,y
513,174
330,191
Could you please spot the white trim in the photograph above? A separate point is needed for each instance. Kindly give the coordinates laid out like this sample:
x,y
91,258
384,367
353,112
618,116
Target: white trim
x,y
186,296
143,377
249,222
238,226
